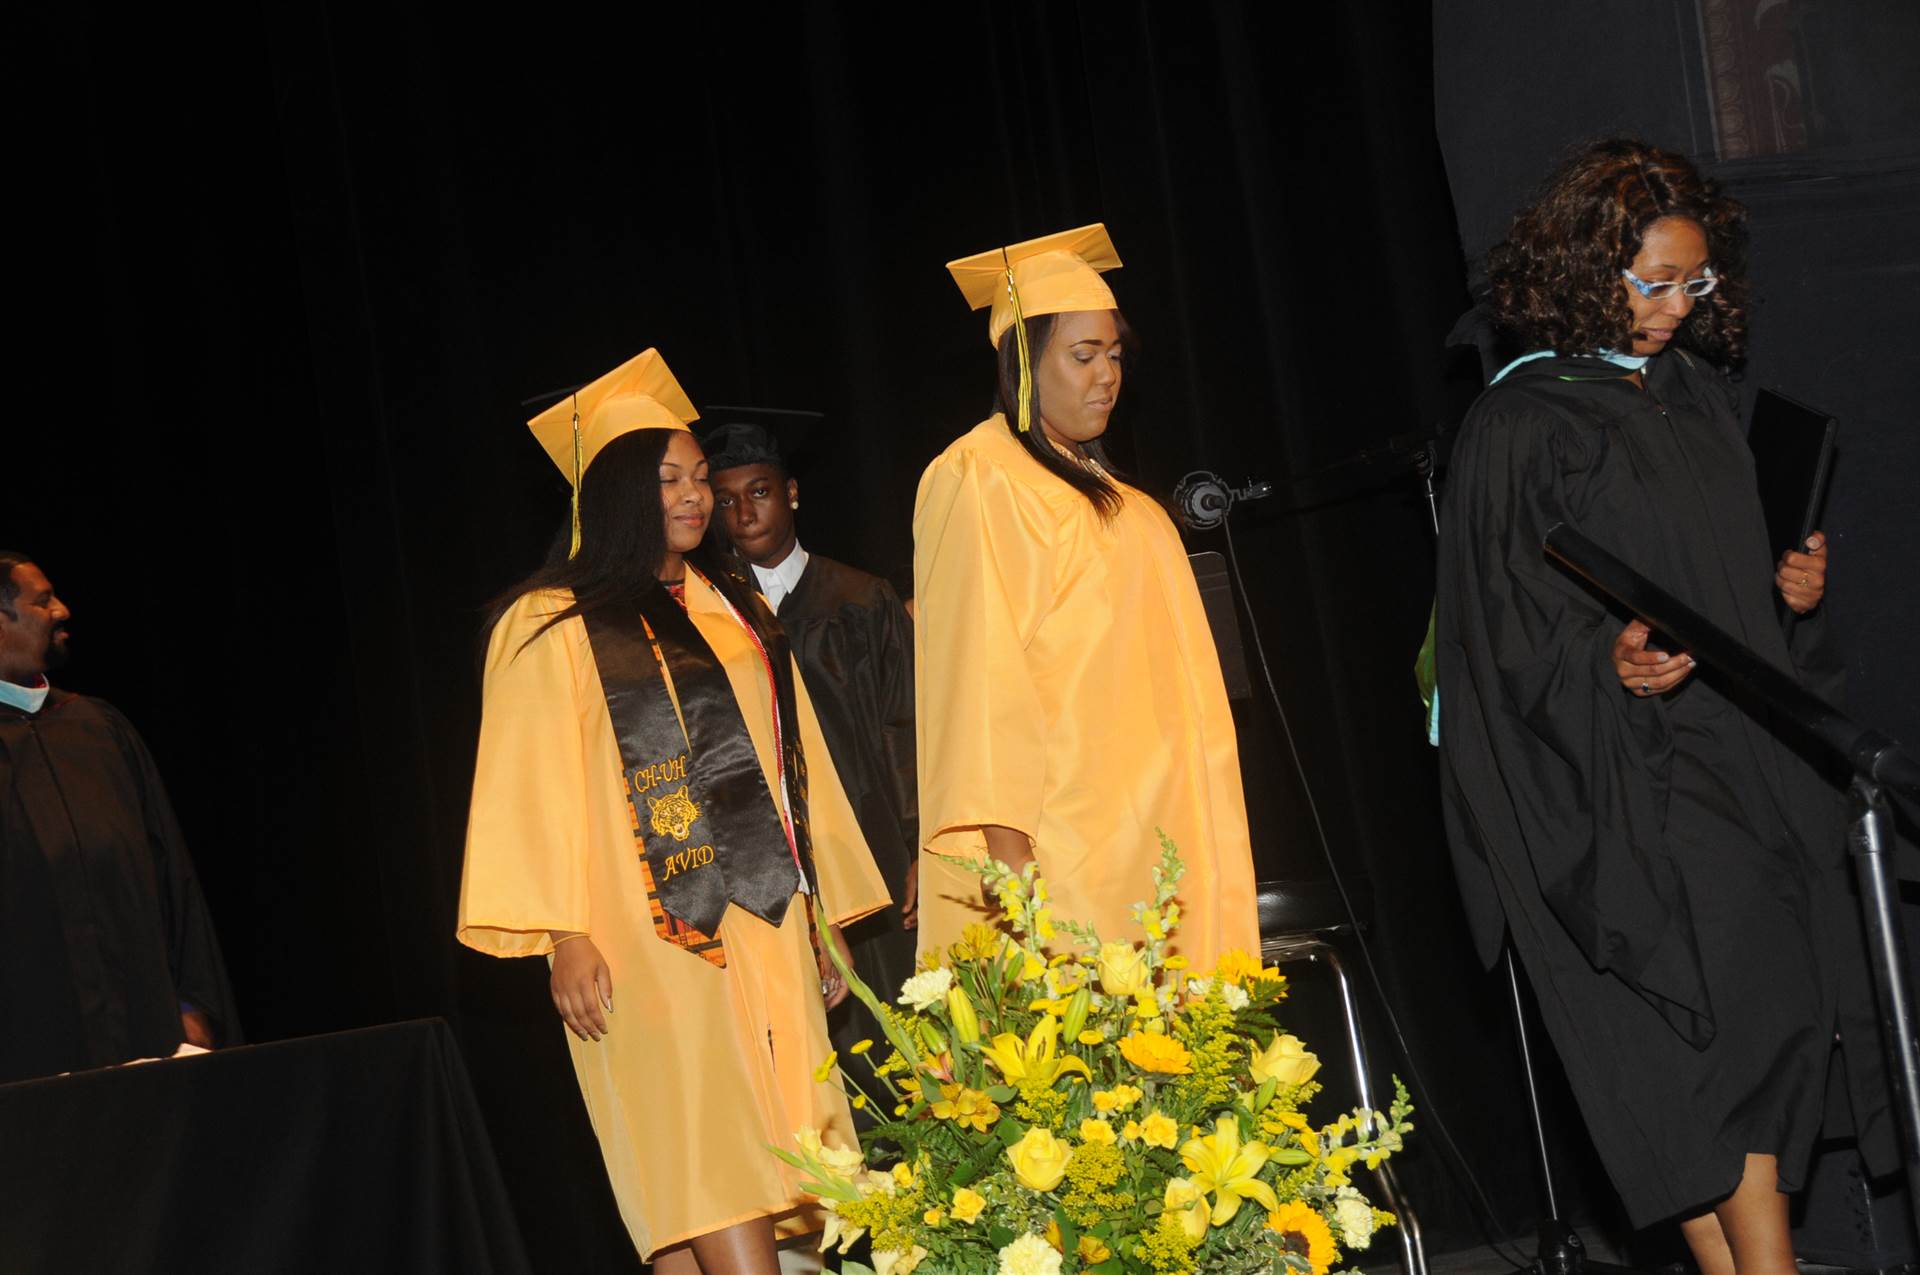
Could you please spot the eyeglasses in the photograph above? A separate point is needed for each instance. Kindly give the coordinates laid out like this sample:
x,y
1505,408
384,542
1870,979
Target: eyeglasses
x,y
1700,287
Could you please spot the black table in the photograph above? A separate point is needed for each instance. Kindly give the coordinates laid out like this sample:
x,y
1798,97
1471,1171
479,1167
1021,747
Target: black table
x,y
357,1151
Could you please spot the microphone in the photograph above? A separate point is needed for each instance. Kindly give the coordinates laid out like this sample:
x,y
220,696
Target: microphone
x,y
1203,499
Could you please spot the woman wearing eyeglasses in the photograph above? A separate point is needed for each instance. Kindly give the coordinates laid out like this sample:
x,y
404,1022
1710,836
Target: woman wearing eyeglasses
x,y
1672,875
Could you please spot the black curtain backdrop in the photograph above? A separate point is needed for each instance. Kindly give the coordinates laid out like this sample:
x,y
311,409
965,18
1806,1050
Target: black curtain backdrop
x,y
291,270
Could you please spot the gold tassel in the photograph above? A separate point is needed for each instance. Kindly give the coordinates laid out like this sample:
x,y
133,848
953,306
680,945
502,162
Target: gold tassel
x,y
1025,412
574,548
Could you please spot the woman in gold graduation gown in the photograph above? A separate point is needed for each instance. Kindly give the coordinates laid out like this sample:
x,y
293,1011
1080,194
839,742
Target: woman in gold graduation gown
x,y
1069,696
641,773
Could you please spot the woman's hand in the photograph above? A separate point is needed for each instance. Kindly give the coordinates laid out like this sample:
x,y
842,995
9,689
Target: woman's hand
x,y
582,986
833,988
1643,672
1009,845
1802,577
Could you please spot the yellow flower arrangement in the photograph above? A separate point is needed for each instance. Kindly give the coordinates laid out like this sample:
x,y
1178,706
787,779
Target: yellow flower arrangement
x,y
1062,1101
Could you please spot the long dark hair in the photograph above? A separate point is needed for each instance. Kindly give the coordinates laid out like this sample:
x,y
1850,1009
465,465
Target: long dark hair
x,y
1006,400
623,541
1555,282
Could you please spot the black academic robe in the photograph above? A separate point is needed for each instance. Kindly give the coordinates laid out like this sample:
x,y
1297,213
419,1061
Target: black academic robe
x,y
853,641
106,931
1673,877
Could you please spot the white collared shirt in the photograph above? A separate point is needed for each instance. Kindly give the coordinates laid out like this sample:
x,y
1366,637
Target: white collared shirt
x,y
779,580
31,698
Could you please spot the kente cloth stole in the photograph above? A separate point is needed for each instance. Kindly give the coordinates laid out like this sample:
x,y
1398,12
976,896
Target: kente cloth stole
x,y
706,827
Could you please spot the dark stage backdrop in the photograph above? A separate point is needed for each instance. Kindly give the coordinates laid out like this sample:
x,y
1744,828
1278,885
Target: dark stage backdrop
x,y
289,274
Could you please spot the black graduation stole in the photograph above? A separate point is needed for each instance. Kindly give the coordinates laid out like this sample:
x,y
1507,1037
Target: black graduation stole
x,y
708,831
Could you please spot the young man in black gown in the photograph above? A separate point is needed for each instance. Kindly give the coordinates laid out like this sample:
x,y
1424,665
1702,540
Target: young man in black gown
x,y
853,641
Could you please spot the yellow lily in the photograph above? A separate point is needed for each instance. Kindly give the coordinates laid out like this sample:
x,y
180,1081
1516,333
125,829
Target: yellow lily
x,y
1227,1169
1035,1058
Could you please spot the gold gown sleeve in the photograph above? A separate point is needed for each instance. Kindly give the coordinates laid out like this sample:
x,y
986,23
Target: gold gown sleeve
x,y
850,884
527,827
983,568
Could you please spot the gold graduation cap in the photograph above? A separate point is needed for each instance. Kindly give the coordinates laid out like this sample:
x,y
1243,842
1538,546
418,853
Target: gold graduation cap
x,y
639,394
1050,275
1053,274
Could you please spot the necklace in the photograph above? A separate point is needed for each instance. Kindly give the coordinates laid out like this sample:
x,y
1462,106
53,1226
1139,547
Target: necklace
x,y
1081,459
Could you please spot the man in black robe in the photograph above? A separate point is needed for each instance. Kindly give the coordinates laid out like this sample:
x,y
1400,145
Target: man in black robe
x,y
853,641
109,953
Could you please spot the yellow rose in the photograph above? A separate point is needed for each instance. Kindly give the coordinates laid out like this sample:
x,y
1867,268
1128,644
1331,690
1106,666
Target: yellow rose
x,y
1040,1159
1160,1131
1093,1250
1130,1131
1186,1201
1096,1131
967,1204
1123,969
1286,1062
1118,1098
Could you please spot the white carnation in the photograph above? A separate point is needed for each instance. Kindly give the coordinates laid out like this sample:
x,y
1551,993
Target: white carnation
x,y
1354,1216
1029,1255
926,989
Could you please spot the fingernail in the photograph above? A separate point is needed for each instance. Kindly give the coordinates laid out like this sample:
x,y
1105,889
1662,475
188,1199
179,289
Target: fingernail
x,y
1664,657
1689,661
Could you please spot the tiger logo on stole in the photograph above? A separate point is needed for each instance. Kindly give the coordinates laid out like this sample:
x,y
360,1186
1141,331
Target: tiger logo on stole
x,y
673,814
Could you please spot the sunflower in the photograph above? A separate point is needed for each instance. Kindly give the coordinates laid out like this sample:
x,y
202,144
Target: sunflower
x,y
1304,1233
